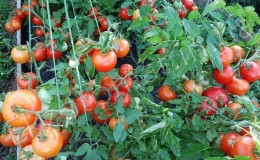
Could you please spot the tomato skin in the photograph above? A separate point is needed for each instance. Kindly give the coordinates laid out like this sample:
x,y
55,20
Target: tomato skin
x,y
66,136
245,131
182,14
56,24
93,11
25,9
108,83
126,69
125,84
160,51
126,98
26,99
188,4
145,2
103,105
1,118
113,121
86,103
165,93
235,108
9,27
237,86
28,80
49,147
28,154
50,53
6,140
123,14
37,21
104,62
123,48
39,32
20,54
226,56
40,52
19,13
208,105
103,23
190,85
228,140
250,71
225,76
217,94
244,146
238,52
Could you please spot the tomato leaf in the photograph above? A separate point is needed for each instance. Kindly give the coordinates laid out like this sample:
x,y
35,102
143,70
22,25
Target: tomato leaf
x,y
217,4
126,3
214,56
191,27
132,115
145,10
119,132
83,149
107,133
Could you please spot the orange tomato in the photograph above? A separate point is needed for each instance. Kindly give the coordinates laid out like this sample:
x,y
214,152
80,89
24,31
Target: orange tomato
x,y
20,54
190,85
6,140
113,121
235,108
123,48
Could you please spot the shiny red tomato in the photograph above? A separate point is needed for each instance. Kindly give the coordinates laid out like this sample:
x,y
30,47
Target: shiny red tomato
x,y
27,81
104,62
6,140
237,86
228,141
208,107
238,52
126,70
39,32
146,2
40,52
235,108
66,136
244,146
226,56
37,21
188,4
123,14
182,14
126,98
108,83
53,53
8,27
165,93
86,103
125,84
250,71
105,113
19,13
160,51
225,76
103,23
123,48
92,12
16,22
217,94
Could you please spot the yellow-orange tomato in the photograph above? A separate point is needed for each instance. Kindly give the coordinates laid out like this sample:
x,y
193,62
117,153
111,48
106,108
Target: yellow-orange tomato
x,y
28,153
123,48
235,108
113,121
136,14
48,142
20,54
6,140
21,99
190,85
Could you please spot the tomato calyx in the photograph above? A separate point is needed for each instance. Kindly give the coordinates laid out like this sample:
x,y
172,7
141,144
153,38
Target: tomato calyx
x,y
42,137
28,154
248,66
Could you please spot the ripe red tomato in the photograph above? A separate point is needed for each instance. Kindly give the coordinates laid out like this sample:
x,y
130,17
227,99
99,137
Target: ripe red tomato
x,y
113,121
228,141
105,113
37,21
48,143
1,118
17,98
29,154
125,84
123,14
103,23
86,103
126,98
104,62
108,83
53,53
19,13
6,140
237,86
40,126
226,56
39,32
225,76
126,70
56,24
250,71
25,9
20,54
257,61
245,131
34,2
8,27
165,93
92,12
182,14
235,108
40,52
16,22
238,52
27,81
97,32
244,146
146,2
160,51
123,48
190,85
188,4
209,106
66,136
217,94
